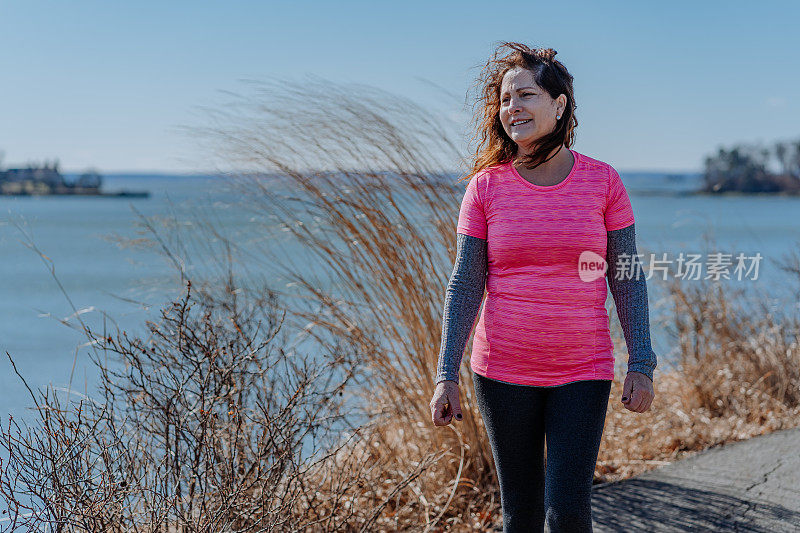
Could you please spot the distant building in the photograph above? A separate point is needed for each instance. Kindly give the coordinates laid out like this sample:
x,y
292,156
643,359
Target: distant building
x,y
44,175
46,179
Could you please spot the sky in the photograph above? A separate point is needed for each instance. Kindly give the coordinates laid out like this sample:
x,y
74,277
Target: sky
x,y
659,85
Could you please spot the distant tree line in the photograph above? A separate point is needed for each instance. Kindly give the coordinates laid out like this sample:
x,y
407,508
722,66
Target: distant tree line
x,y
747,168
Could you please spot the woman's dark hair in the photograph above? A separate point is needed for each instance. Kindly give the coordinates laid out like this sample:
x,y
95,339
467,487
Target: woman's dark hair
x,y
494,145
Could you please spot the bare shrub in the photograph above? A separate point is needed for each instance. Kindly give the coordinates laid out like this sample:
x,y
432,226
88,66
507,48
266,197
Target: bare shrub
x,y
206,425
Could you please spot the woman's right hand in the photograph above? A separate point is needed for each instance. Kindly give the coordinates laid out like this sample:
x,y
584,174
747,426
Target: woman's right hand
x,y
445,403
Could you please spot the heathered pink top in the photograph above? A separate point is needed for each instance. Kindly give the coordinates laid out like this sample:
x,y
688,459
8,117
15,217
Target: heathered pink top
x,y
541,323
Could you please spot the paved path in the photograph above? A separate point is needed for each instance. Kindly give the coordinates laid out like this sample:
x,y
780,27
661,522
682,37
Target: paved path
x,y
751,485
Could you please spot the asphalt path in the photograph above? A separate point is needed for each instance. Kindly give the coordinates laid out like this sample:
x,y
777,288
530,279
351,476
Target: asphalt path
x,y
751,485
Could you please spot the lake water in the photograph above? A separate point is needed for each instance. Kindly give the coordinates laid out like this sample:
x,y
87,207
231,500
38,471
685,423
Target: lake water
x,y
130,284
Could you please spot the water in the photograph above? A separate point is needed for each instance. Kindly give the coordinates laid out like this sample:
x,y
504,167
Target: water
x,y
130,284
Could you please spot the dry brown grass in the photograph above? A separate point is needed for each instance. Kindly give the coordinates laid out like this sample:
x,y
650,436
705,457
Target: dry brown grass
x,y
384,235
738,376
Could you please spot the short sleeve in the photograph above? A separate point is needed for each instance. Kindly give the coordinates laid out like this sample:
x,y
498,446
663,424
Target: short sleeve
x,y
471,217
619,213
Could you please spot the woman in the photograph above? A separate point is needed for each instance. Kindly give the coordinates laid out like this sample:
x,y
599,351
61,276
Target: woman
x,y
534,216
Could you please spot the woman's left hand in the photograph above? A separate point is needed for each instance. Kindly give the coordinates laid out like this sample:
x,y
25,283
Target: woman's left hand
x,y
637,392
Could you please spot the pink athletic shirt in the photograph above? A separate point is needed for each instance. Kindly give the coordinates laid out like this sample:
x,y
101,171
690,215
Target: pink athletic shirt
x,y
541,324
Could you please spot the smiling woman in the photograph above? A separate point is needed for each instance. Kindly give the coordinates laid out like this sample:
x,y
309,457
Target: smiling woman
x,y
527,111
542,358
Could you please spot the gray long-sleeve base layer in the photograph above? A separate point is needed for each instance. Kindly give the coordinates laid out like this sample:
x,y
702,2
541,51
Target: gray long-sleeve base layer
x,y
468,280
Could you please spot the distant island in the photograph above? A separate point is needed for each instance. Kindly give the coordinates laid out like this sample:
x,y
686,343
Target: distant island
x,y
751,169
46,180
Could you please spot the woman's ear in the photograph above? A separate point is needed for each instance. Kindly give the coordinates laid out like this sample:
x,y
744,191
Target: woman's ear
x,y
561,104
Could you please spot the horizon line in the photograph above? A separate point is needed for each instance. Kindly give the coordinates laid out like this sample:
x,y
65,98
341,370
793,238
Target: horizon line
x,y
187,173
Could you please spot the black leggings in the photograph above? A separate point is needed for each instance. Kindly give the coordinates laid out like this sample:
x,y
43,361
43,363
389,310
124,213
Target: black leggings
x,y
517,418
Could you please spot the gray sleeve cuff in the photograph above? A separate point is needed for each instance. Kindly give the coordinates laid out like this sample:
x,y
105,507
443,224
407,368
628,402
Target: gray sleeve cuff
x,y
626,279
461,304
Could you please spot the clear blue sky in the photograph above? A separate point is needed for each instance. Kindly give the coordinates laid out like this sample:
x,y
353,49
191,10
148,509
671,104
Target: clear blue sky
x,y
658,85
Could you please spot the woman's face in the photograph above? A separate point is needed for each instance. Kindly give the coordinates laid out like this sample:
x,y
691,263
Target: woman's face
x,y
527,111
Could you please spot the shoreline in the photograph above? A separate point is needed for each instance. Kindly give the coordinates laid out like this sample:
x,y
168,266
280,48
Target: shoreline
x,y
118,194
727,194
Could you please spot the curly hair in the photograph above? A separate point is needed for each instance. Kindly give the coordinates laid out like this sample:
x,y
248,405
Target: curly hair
x,y
494,145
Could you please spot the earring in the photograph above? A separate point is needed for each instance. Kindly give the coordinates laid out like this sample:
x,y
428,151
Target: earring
x,y
558,117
